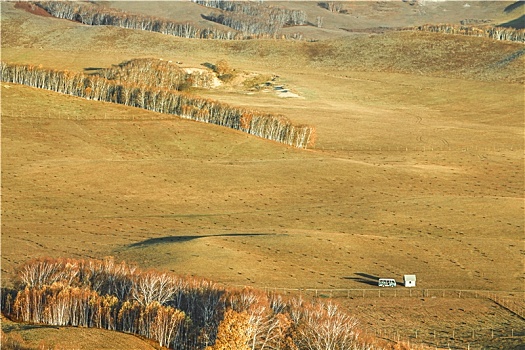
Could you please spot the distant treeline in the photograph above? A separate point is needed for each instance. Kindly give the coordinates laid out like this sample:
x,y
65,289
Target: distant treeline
x,y
253,18
93,14
178,312
269,126
496,33
98,14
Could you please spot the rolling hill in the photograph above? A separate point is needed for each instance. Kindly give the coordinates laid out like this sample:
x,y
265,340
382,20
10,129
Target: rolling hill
x,y
417,167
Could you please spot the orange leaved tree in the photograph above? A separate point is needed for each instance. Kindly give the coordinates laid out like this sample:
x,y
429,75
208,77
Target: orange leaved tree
x,y
233,332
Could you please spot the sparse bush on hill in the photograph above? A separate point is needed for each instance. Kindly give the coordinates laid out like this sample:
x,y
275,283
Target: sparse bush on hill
x,y
162,100
222,67
178,312
223,70
157,73
496,33
333,6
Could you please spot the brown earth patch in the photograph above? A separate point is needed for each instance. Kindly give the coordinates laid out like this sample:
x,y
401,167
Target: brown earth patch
x,y
32,8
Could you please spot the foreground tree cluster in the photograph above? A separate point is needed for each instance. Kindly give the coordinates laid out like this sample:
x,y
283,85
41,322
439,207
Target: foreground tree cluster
x,y
496,33
252,18
178,312
139,92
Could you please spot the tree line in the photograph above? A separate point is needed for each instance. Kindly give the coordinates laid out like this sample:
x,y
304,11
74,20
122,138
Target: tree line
x,y
178,312
253,18
496,33
141,94
93,14
286,17
97,14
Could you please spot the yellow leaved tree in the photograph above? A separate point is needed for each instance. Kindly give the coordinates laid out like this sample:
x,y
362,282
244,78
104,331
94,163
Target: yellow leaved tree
x,y
233,333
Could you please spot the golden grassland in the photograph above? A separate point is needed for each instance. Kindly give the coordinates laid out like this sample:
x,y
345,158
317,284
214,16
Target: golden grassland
x,y
385,211
418,167
65,338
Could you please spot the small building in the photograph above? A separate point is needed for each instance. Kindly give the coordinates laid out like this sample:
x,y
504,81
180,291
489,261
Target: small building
x,y
409,280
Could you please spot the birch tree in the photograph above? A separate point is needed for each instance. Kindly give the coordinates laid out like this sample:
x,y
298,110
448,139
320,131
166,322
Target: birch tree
x,y
166,324
153,286
92,14
323,327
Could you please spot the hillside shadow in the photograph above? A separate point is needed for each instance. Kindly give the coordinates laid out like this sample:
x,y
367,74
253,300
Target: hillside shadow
x,y
182,239
518,23
514,6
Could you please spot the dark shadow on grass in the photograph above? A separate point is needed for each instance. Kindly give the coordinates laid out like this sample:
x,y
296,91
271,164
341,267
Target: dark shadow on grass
x,y
209,65
17,327
509,58
90,69
518,23
368,276
514,6
364,278
181,239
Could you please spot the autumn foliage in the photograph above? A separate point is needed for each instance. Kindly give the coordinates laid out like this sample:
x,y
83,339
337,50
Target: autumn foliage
x,y
140,89
178,312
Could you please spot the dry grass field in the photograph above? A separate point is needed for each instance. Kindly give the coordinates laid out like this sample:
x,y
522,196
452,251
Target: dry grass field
x,y
418,166
35,336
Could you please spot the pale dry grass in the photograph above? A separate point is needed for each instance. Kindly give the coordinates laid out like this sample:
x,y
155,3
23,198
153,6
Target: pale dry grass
x,y
415,170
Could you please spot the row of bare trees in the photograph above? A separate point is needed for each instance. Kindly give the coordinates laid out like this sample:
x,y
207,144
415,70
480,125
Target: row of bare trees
x,y
97,14
284,16
143,95
496,33
248,25
253,18
178,312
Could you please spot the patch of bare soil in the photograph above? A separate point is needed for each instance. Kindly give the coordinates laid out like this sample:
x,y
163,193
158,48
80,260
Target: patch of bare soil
x,y
31,8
